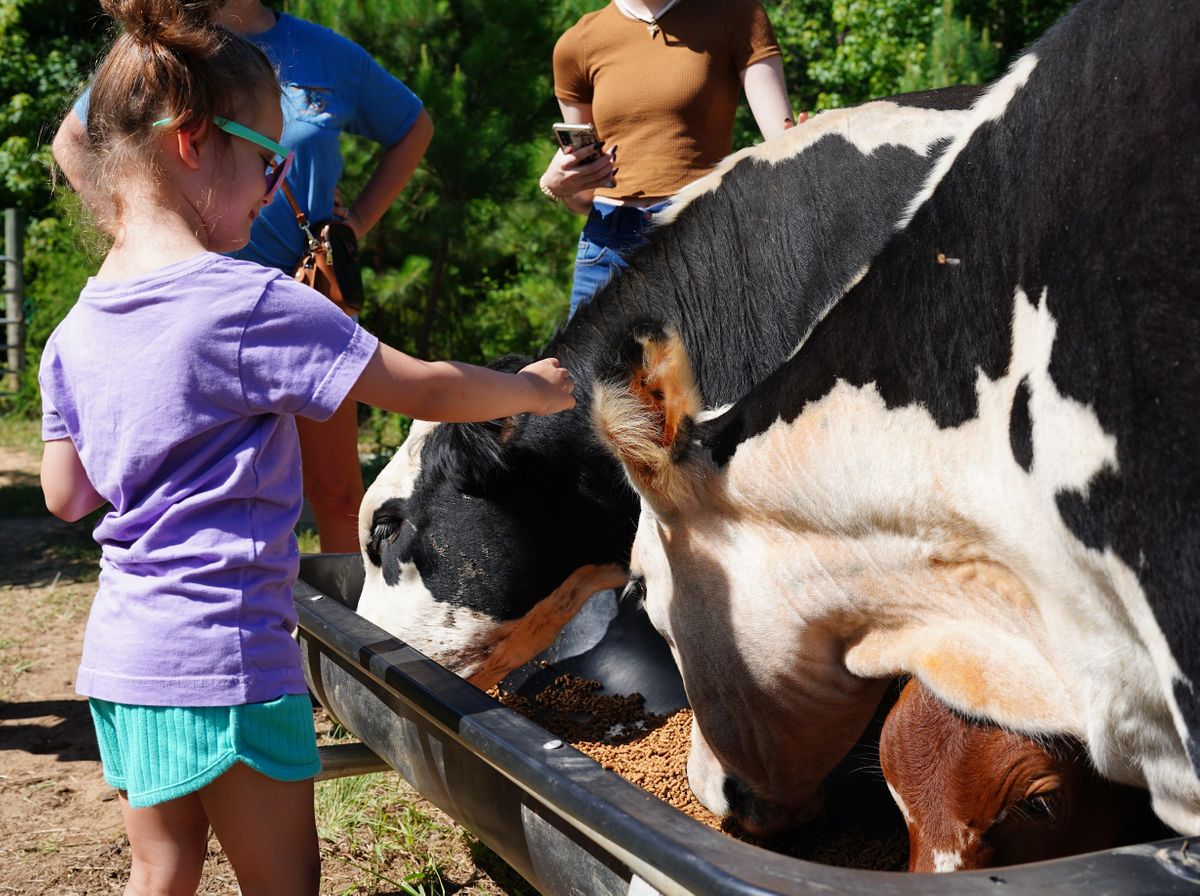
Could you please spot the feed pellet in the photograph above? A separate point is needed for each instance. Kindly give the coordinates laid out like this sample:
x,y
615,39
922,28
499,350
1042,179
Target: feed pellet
x,y
651,751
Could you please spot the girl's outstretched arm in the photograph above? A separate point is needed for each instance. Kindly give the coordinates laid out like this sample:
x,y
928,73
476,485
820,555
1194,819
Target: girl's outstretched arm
x,y
453,392
69,493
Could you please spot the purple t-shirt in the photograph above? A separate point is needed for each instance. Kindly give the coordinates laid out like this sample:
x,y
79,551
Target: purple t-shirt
x,y
179,391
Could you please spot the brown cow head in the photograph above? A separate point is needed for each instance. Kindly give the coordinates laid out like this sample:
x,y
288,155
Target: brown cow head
x,y
974,795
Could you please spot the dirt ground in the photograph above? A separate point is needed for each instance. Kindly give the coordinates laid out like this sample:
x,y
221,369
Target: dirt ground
x,y
60,825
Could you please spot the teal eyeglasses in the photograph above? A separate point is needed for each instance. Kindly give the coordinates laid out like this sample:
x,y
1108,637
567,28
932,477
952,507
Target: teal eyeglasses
x,y
279,166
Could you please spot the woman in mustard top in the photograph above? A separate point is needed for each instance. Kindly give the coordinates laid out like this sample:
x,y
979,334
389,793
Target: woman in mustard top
x,y
660,80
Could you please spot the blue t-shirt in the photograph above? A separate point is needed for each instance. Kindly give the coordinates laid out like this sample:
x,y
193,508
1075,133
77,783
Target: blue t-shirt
x,y
330,84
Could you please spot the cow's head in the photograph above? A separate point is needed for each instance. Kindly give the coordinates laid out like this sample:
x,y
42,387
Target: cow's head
x,y
975,795
480,541
773,713
784,622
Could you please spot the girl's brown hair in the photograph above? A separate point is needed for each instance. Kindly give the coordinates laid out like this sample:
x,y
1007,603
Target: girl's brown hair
x,y
169,61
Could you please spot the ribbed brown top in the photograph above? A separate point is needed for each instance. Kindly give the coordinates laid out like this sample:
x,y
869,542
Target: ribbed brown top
x,y
666,101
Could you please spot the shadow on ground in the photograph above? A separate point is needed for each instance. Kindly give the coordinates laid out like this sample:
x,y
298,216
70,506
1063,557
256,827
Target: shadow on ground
x,y
36,548
60,727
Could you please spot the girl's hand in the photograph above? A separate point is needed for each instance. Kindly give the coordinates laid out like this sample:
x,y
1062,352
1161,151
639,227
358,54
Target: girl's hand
x,y
573,172
452,392
553,385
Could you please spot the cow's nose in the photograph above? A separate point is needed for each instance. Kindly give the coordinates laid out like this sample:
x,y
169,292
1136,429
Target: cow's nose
x,y
762,817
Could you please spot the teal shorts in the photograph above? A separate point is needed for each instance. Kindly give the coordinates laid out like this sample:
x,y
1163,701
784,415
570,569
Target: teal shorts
x,y
160,753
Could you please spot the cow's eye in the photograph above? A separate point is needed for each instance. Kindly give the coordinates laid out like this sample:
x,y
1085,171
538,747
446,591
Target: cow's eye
x,y
635,589
393,534
1044,806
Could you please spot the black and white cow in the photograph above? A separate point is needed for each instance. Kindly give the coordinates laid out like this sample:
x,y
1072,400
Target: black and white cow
x,y
480,542
983,465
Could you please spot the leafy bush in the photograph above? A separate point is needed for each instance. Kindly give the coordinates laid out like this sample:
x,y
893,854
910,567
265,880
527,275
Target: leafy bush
x,y
955,55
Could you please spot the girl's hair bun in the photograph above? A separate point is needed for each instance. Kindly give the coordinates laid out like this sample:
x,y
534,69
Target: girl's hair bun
x,y
186,25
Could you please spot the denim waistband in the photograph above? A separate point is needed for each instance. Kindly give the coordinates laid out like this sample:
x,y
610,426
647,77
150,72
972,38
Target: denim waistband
x,y
620,219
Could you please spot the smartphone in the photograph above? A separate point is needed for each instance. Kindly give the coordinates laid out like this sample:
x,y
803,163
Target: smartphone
x,y
580,136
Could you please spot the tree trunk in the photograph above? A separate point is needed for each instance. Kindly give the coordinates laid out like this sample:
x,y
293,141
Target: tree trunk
x,y
432,295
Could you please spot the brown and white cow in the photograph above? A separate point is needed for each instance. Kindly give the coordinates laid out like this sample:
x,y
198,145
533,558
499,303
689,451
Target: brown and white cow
x,y
980,468
974,795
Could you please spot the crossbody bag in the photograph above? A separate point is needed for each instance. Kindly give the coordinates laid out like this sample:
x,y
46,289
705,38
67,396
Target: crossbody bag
x,y
330,263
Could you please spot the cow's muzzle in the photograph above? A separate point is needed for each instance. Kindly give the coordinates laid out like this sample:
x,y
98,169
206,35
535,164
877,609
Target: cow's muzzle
x,y
762,817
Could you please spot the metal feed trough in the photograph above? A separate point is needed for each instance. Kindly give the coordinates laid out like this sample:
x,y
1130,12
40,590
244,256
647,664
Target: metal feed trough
x,y
568,825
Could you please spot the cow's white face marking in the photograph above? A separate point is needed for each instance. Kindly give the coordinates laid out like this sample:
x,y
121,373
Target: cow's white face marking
x,y
900,804
867,127
393,609
705,774
396,479
946,861
859,540
408,609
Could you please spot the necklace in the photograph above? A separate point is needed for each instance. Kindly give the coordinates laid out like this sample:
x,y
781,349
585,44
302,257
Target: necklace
x,y
650,22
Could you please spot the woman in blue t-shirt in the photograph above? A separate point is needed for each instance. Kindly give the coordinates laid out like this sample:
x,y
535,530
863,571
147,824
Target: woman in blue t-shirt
x,y
330,85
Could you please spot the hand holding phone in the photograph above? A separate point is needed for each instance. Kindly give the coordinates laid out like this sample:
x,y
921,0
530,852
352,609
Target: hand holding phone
x,y
580,165
575,136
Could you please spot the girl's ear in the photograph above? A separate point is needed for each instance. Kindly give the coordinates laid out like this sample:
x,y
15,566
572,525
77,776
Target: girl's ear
x,y
188,145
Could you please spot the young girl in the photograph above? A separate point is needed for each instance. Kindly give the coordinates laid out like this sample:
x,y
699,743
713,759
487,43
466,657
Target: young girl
x,y
170,391
330,86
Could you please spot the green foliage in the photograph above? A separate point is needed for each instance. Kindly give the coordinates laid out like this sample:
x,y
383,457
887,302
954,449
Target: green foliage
x,y
471,262
57,264
876,41
955,55
840,52
1013,24
47,48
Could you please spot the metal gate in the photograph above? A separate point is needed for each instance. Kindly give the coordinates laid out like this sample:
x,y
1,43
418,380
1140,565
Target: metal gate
x,y
12,361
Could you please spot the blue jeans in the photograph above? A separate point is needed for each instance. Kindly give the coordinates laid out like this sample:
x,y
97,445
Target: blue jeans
x,y
610,234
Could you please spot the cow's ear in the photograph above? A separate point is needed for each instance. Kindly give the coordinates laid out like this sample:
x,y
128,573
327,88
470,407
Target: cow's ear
x,y
645,412
471,455
975,668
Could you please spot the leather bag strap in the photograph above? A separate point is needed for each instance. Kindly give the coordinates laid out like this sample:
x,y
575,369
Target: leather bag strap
x,y
301,217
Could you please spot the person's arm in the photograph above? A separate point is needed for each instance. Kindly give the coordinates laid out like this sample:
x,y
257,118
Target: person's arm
x,y
452,392
570,180
68,149
70,153
767,94
68,491
395,167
